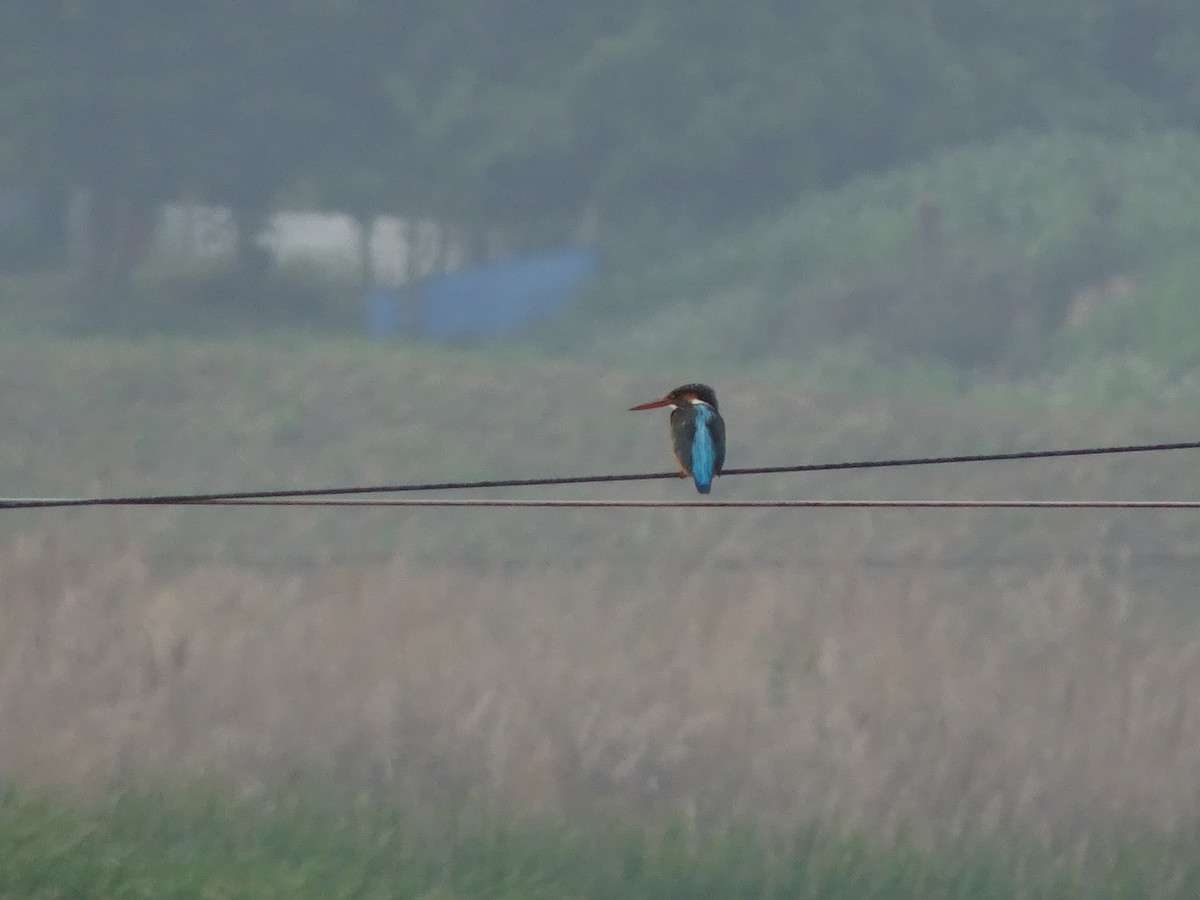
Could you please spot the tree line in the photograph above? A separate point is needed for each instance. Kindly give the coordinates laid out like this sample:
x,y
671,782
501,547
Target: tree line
x,y
657,120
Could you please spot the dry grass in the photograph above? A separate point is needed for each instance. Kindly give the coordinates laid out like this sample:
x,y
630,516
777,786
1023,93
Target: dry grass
x,y
820,690
954,669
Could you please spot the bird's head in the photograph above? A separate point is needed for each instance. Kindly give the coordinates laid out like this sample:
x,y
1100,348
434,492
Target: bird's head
x,y
681,396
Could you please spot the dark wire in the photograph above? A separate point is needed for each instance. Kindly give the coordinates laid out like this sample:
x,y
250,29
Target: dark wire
x,y
442,502
221,498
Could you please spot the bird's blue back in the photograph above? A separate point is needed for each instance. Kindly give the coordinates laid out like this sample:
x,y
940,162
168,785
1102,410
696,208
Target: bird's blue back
x,y
707,448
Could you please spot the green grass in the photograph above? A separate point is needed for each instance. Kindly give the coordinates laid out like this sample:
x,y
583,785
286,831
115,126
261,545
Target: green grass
x,y
201,843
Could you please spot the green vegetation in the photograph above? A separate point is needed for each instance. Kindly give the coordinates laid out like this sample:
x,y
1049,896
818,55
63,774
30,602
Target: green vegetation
x,y
137,843
659,123
1062,265
688,115
1160,324
765,185
1027,259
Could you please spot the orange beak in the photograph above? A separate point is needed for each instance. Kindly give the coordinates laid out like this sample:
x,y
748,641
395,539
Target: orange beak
x,y
653,404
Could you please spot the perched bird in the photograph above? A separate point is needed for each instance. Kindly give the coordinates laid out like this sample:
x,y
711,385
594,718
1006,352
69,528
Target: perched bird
x,y
697,432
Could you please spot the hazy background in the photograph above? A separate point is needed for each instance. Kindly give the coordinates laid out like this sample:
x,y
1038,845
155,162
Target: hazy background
x,y
304,243
989,190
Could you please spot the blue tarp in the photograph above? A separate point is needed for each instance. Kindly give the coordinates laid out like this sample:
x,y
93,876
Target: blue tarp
x,y
483,301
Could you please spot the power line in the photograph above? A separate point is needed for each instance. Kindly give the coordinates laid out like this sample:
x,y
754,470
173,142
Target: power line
x,y
223,498
969,458
433,502
1123,557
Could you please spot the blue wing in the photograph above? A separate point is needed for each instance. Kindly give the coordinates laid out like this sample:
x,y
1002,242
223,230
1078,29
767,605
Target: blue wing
x,y
708,446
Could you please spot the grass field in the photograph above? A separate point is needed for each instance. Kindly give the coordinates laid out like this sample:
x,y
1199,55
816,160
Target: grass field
x,y
199,843
968,676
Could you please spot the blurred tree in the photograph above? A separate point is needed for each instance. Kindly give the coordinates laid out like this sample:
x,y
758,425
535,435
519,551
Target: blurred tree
x,y
523,119
1150,49
75,87
137,103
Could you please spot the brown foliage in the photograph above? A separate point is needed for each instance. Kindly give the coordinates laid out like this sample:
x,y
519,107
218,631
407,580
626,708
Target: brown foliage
x,y
1036,696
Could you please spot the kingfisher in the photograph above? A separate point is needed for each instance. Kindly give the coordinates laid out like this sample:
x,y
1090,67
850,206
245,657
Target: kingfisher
x,y
697,432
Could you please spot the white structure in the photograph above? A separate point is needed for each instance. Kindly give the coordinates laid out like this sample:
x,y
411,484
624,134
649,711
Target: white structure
x,y
399,249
